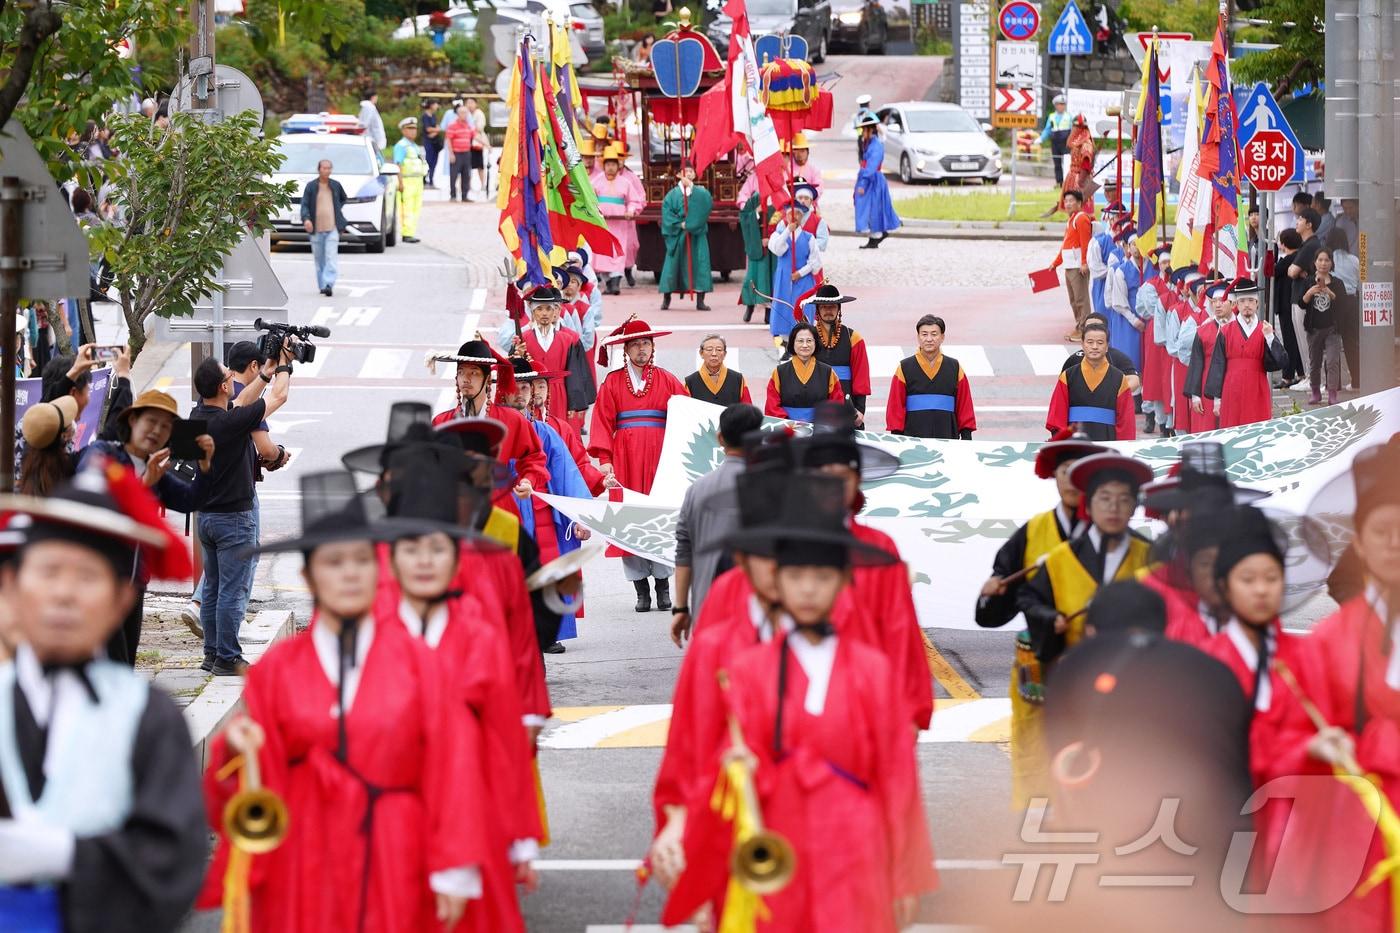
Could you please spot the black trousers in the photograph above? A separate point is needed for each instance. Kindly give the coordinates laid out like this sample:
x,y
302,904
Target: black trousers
x,y
1059,146
125,641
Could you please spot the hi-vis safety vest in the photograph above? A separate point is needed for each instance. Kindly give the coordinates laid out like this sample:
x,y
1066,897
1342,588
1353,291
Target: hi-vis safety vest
x,y
413,164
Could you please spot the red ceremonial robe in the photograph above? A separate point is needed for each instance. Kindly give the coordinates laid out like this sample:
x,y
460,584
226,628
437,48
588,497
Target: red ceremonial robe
x,y
1344,674
591,475
1180,406
554,360
1206,336
1240,379
405,736
476,662
843,789
1152,354
896,408
1184,622
887,600
1278,735
520,448
493,588
628,430
1124,416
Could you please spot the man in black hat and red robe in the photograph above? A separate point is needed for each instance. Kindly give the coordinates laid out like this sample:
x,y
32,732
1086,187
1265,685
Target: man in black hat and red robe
x,y
839,346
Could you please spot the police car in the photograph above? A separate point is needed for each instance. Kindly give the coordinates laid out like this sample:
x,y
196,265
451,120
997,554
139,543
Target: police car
x,y
371,184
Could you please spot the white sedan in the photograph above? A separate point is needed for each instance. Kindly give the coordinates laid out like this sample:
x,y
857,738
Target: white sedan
x,y
371,187
942,142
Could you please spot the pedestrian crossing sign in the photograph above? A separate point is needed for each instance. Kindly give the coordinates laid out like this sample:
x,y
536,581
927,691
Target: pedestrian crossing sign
x,y
1071,35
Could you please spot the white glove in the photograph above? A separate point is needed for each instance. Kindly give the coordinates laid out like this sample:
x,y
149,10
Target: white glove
x,y
33,851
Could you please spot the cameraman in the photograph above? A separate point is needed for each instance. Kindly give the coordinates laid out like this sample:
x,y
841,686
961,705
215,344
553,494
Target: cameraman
x,y
144,427
227,520
244,364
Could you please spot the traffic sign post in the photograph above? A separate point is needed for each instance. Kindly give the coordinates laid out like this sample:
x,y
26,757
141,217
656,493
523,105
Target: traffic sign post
x,y
1019,20
1071,36
1267,160
1261,117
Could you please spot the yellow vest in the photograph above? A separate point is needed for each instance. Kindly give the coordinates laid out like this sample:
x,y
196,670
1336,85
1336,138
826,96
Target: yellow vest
x,y
1074,587
1042,537
503,527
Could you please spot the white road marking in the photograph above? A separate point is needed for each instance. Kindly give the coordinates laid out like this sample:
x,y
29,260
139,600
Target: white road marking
x,y
717,327
385,364
1047,359
312,369
359,316
478,301
587,733
958,723
324,315
471,323
972,358
884,360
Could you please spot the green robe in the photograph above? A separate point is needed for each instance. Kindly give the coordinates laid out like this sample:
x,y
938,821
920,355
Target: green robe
x,y
758,278
680,226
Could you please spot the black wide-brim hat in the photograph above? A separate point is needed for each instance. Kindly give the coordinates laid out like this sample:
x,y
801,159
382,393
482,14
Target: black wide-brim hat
x,y
827,295
1195,490
810,514
332,510
424,494
402,417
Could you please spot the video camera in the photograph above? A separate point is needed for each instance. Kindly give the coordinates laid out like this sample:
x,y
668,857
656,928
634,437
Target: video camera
x,y
295,338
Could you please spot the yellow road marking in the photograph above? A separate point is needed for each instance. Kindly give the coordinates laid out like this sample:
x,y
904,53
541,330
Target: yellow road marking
x,y
944,673
164,382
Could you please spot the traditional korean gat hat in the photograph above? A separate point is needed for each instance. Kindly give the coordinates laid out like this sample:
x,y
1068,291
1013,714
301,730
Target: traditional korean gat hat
x,y
833,440
634,328
1201,481
332,510
374,458
808,524
826,294
477,352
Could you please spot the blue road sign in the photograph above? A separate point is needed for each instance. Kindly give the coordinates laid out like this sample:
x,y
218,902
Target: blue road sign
x,y
1071,35
1261,112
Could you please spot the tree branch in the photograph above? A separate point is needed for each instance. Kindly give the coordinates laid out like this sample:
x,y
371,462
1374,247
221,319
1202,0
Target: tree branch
x,y
39,25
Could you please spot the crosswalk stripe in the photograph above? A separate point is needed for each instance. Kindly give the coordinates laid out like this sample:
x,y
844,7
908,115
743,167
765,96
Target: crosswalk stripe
x,y
478,300
972,358
1047,359
471,323
313,369
986,719
884,360
385,363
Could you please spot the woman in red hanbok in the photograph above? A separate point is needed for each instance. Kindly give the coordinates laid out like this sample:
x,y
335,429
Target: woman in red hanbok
x,y
1246,351
834,773
476,660
378,764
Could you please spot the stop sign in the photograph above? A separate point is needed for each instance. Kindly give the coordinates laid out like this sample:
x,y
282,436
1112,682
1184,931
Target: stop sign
x,y
1266,159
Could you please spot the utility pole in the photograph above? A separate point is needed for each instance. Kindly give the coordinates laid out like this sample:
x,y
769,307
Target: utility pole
x,y
204,101
1376,193
1340,127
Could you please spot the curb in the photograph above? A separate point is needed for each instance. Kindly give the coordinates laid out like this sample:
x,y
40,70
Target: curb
x,y
215,705
969,230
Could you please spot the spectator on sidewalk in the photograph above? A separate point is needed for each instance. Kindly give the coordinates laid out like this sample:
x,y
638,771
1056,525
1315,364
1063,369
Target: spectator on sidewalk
x,y
432,138
62,376
459,135
322,206
144,429
371,120
47,460
481,142
227,523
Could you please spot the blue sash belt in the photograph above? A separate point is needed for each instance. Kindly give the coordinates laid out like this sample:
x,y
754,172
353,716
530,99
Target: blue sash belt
x,y
799,414
1093,414
611,199
25,909
641,418
928,401
842,372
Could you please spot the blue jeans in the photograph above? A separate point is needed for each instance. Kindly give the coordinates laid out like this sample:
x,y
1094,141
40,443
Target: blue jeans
x,y
228,579
198,594
325,248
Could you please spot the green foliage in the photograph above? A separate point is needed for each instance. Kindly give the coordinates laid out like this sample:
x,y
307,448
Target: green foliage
x,y
929,42
1197,17
464,53
78,75
328,21
188,194
626,24
1300,55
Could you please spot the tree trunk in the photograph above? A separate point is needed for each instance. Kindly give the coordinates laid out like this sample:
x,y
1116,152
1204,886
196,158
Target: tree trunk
x,y
58,321
135,328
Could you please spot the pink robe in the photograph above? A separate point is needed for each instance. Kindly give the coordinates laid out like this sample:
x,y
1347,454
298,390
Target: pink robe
x,y
616,198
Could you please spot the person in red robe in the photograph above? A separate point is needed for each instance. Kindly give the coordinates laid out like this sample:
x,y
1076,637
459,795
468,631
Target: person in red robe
x,y
1249,573
375,758
1204,418
1246,351
834,773
1350,674
493,577
883,591
539,401
629,425
521,447
558,349
475,659
1095,395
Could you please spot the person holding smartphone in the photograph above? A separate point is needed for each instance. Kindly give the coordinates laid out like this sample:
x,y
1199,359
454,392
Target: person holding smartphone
x,y
1321,297
145,428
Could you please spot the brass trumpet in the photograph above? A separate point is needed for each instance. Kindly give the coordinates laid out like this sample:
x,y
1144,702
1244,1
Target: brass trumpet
x,y
255,818
763,861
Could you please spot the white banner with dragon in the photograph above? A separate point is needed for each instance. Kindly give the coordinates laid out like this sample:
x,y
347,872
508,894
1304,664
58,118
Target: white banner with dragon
x,y
952,504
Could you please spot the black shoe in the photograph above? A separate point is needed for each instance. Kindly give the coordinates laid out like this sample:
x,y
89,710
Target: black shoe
x,y
326,292
229,668
208,664
631,282
643,595
1168,432
666,302
410,239
767,313
870,243
556,648
1151,424
663,594
748,313
882,238
700,304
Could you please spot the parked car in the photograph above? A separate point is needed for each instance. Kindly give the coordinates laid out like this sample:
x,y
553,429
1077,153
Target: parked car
x,y
463,23
588,25
942,142
371,184
860,26
810,19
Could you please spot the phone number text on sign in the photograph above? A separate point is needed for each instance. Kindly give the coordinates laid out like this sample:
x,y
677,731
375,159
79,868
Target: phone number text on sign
x,y
1377,304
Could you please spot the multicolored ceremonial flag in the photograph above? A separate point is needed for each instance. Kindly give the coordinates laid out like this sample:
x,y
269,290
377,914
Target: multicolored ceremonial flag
x,y
525,225
1147,155
1220,154
1193,202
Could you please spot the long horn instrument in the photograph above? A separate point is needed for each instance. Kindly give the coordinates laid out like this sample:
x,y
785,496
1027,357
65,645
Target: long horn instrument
x,y
255,818
763,861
